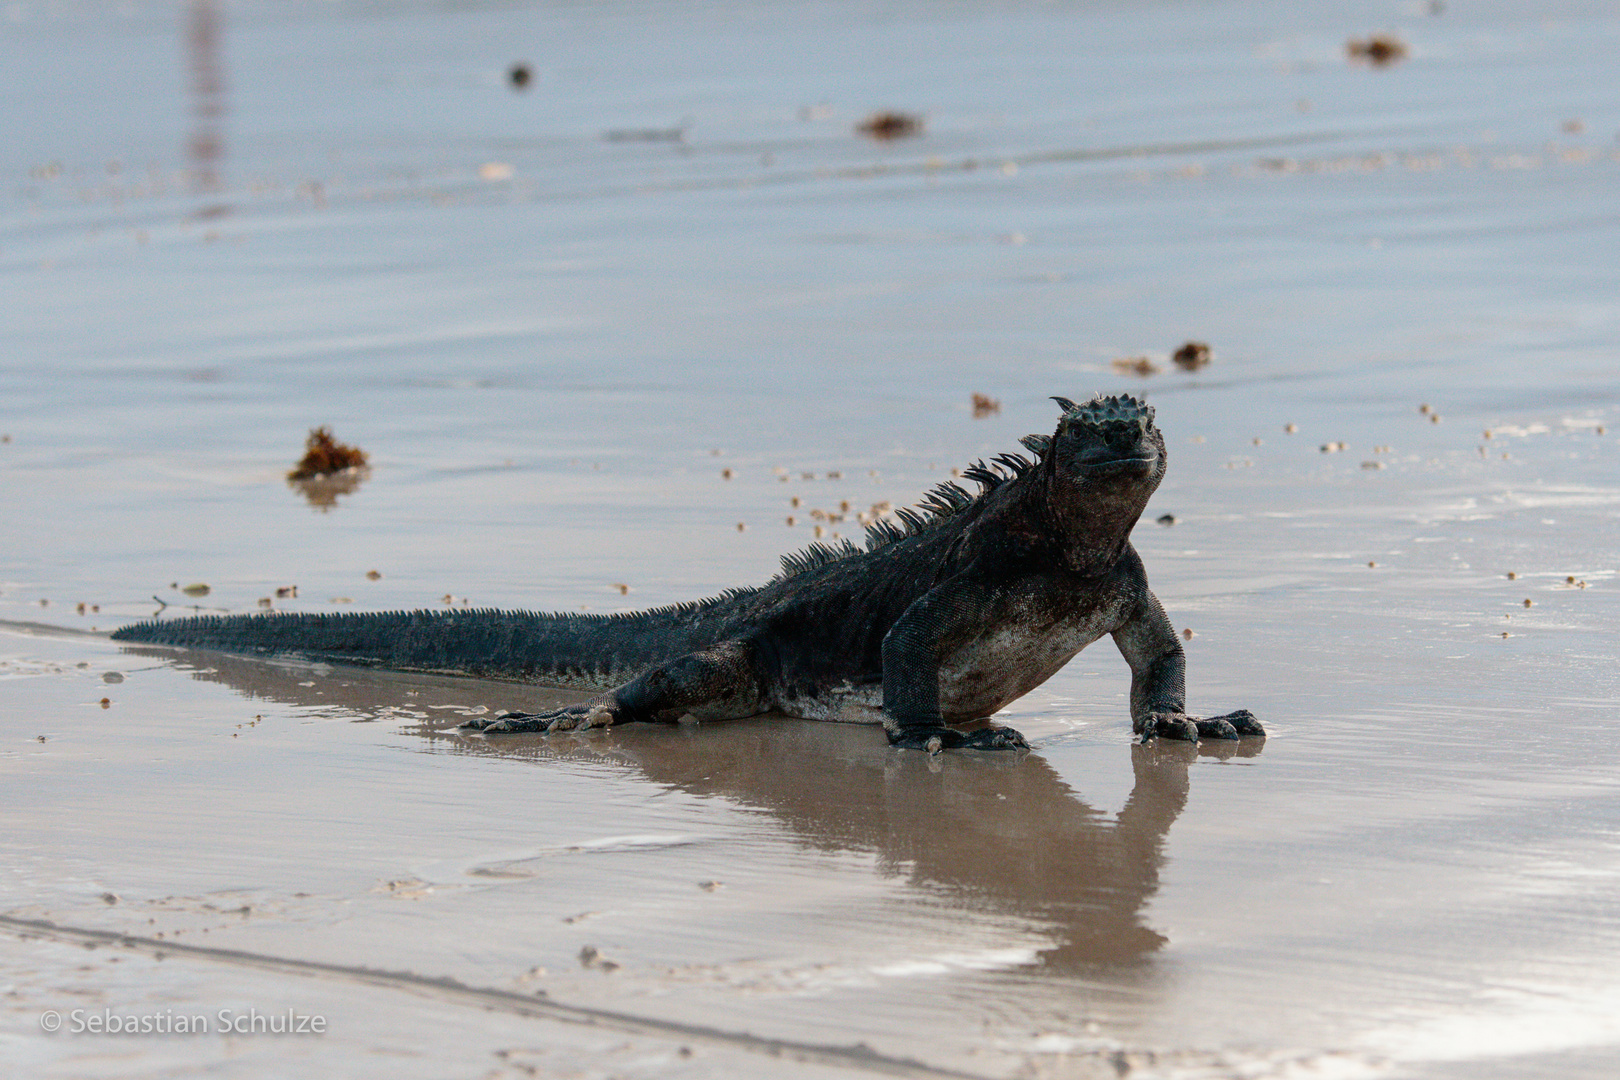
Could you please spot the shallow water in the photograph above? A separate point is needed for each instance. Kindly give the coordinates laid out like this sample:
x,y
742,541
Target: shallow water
x,y
554,317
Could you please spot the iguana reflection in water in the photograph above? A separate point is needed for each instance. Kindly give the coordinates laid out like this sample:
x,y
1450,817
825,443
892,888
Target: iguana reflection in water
x,y
992,835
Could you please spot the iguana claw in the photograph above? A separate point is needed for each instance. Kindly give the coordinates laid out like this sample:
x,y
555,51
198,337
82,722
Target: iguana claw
x,y
990,738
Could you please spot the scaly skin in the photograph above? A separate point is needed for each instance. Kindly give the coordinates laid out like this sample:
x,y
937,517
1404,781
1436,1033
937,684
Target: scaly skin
x,y
967,604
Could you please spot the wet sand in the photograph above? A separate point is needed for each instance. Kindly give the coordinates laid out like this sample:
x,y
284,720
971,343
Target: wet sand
x,y
586,329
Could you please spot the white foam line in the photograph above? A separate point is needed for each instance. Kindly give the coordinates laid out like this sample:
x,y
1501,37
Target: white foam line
x,y
945,963
1509,1020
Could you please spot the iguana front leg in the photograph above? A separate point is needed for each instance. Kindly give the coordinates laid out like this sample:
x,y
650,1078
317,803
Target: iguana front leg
x,y
719,681
911,661
1158,681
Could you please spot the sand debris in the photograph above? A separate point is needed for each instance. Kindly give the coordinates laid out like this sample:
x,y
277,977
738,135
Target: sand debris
x,y
888,124
1135,365
591,957
1379,50
411,888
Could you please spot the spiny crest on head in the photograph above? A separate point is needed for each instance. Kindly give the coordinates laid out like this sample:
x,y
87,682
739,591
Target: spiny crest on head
x,y
1115,409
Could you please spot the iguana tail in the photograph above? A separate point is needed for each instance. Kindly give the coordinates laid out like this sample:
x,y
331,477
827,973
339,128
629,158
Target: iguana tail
x,y
576,651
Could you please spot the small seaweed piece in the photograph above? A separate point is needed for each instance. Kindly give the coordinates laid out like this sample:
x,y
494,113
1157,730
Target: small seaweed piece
x,y
1379,50
984,405
887,124
324,455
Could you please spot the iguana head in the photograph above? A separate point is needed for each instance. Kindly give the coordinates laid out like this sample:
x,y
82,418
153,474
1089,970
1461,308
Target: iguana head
x,y
1108,442
1101,466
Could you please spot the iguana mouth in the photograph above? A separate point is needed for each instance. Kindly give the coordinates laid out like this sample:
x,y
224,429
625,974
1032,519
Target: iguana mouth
x,y
1118,463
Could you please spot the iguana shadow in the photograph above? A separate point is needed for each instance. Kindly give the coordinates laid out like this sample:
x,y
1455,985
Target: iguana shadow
x,y
991,834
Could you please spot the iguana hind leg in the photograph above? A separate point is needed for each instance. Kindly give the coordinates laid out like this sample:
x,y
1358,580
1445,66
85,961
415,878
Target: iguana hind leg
x,y
717,683
911,652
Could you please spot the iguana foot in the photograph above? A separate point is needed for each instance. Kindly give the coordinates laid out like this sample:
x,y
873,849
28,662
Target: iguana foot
x,y
990,738
1170,726
1242,723
994,738
570,718
1233,725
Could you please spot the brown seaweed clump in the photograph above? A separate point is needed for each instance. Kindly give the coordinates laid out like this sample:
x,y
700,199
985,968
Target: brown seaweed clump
x,y
984,405
329,469
887,125
324,455
1379,50
1192,356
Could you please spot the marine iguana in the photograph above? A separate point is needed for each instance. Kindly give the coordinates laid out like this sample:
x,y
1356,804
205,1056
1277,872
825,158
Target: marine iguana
x,y
965,604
